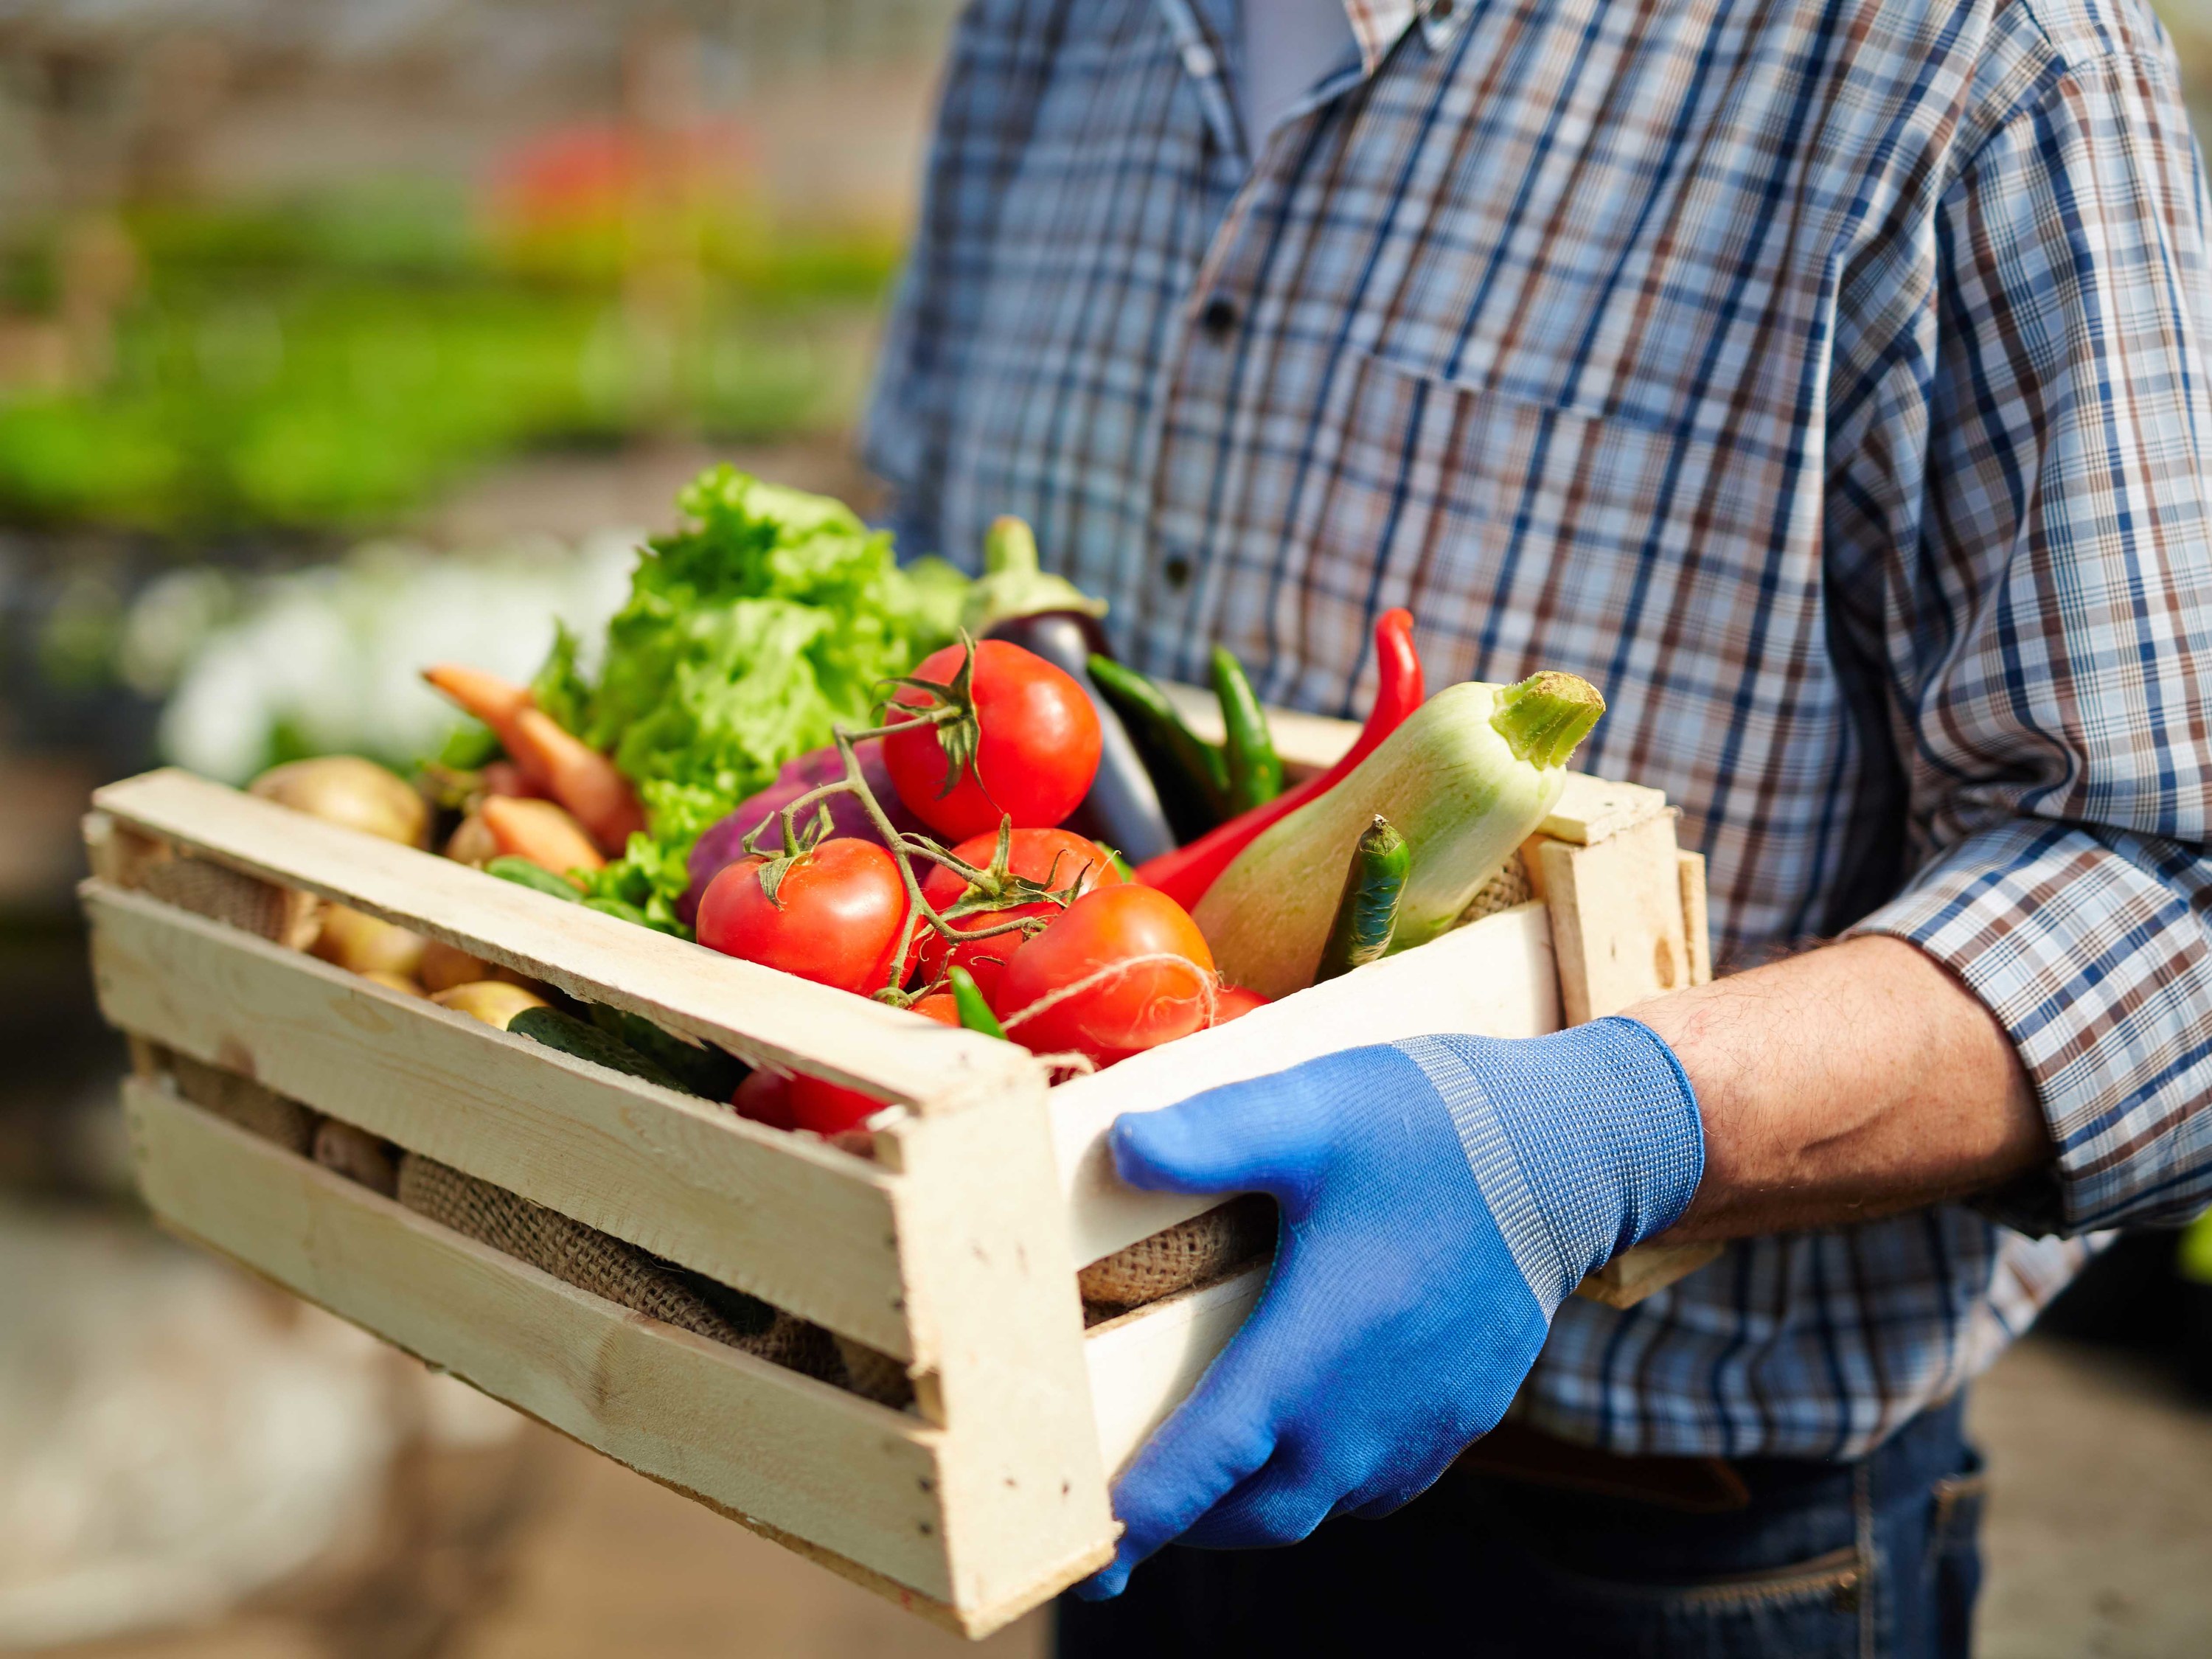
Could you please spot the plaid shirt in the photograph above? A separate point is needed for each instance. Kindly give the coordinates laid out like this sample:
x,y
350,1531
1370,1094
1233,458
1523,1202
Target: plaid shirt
x,y
1825,381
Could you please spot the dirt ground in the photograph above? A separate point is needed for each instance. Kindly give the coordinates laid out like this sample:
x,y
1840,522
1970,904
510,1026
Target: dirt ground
x,y
2098,1537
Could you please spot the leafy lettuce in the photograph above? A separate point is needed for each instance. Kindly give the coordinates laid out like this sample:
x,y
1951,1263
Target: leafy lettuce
x,y
772,616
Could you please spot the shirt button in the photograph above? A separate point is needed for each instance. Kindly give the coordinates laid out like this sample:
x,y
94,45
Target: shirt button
x,y
1441,10
1177,569
1218,318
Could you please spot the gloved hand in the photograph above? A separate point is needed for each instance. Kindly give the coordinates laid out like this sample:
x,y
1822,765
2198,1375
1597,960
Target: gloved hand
x,y
1440,1197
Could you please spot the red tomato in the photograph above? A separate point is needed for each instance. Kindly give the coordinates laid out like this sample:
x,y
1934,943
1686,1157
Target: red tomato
x,y
1058,858
830,1107
1234,1002
835,919
1036,754
765,1098
1125,1004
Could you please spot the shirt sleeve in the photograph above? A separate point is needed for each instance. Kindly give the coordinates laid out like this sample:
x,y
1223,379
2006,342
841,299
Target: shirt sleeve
x,y
2045,632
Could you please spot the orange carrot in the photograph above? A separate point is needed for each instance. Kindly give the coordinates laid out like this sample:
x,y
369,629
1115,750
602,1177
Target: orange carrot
x,y
541,832
494,700
581,779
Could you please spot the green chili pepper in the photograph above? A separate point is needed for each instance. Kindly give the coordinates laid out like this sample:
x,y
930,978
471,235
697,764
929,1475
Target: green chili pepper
x,y
1255,770
975,1013
1367,914
1191,774
523,874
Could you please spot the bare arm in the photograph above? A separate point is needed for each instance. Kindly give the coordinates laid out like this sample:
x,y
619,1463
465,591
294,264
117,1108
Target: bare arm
x,y
1852,1081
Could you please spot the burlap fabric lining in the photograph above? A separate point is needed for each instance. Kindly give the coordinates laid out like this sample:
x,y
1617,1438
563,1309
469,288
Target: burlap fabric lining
x,y
608,1266
1189,1253
1211,1246
875,1376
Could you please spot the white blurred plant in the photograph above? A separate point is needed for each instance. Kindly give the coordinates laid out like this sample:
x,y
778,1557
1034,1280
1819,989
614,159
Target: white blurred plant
x,y
328,660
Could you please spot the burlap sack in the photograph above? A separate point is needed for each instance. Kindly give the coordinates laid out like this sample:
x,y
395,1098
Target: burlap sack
x,y
1509,887
245,1102
875,1375
608,1266
1191,1253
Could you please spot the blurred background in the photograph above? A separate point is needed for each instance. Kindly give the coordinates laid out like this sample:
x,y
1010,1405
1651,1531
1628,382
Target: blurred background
x,y
338,336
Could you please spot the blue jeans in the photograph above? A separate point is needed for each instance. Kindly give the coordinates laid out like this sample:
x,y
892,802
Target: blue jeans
x,y
1873,1560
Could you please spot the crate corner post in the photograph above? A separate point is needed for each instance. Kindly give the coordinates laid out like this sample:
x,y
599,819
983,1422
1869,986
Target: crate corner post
x,y
1000,1365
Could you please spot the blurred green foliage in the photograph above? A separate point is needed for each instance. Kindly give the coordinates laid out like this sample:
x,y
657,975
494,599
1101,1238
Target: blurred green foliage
x,y
326,364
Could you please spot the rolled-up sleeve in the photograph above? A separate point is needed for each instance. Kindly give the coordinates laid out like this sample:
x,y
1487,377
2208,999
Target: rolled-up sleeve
x,y
2048,634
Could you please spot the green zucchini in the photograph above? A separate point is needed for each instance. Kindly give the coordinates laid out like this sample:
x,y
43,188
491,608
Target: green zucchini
x,y
1255,770
1466,779
1367,913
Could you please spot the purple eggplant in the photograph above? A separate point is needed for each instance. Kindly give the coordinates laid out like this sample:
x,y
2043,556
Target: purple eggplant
x,y
1123,810
723,844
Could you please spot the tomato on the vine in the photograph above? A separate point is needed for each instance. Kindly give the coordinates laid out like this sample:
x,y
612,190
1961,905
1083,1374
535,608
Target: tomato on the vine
x,y
830,1107
1123,968
1054,859
1035,752
835,918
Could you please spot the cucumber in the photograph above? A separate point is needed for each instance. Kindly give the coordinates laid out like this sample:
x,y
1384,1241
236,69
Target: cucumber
x,y
700,1070
523,874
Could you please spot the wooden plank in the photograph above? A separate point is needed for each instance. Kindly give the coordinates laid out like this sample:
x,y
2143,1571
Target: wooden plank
x,y
990,1289
1644,1271
1697,923
1616,919
1144,1364
1494,977
778,1448
1591,810
795,1222
763,1015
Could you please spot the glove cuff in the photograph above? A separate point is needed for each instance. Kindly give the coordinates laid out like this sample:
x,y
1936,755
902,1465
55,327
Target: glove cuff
x,y
1583,1143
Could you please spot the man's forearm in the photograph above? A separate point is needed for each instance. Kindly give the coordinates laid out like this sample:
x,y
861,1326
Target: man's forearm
x,y
1850,1082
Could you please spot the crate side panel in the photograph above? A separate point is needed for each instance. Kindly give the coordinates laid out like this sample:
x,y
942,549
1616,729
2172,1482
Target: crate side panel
x,y
782,1449
756,1012
796,1224
1144,1364
1495,977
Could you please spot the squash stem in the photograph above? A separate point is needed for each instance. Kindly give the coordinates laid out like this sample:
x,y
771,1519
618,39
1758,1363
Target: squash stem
x,y
1545,718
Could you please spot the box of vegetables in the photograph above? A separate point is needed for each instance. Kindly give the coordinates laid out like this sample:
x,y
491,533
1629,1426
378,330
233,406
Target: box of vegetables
x,y
712,1053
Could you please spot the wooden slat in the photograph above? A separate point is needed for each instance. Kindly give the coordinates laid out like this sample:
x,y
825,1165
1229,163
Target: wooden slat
x,y
791,1453
1494,978
1144,1364
756,1012
795,1222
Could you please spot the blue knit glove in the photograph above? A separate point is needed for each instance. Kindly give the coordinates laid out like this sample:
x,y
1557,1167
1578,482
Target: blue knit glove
x,y
1440,1197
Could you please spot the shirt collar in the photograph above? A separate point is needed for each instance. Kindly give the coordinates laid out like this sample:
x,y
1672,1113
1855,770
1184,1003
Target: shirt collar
x,y
1376,24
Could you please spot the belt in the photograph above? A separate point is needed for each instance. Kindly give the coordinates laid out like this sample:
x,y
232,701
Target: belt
x,y
1691,1486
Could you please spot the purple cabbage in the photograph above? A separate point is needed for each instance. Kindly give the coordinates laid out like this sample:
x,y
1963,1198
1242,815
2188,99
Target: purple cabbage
x,y
723,845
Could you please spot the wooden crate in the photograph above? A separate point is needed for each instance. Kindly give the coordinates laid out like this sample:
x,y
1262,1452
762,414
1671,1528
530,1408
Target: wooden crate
x,y
954,1250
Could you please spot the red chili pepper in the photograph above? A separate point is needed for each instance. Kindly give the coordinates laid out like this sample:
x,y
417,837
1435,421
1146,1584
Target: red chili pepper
x,y
1185,874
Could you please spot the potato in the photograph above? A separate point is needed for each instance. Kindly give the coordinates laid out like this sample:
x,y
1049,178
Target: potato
x,y
396,982
473,842
357,1155
364,944
349,790
493,1001
444,966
